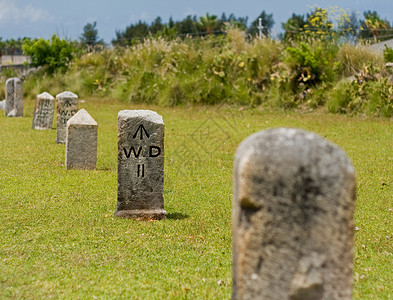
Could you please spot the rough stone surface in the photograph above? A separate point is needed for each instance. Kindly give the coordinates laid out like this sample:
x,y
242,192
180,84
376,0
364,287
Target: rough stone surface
x,y
14,97
43,111
9,95
140,183
294,196
81,142
18,99
67,106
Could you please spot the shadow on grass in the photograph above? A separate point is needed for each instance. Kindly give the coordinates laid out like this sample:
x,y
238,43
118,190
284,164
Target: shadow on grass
x,y
177,216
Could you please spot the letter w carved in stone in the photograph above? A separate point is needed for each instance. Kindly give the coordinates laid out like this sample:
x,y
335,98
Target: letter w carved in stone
x,y
132,149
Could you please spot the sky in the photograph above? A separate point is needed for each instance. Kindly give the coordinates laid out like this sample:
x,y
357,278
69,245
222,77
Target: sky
x,y
66,18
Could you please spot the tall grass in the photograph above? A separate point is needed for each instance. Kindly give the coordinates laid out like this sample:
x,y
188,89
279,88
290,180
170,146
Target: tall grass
x,y
215,69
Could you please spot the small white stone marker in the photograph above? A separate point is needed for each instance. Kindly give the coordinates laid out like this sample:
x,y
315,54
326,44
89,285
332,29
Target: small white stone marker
x,y
293,204
140,159
43,111
67,106
81,142
14,97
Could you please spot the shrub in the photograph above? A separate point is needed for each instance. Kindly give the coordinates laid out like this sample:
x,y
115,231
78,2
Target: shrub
x,y
352,58
388,54
54,54
368,93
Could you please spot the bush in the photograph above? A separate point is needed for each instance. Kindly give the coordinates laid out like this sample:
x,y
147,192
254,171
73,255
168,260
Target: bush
x,y
54,54
368,94
352,59
388,54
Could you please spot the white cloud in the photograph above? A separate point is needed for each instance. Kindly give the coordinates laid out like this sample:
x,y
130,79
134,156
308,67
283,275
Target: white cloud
x,y
10,12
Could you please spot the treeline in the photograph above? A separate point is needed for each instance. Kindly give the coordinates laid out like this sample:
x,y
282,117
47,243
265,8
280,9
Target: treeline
x,y
332,21
193,26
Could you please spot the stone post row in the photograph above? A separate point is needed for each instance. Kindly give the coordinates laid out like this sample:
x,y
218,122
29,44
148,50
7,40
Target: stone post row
x,y
293,204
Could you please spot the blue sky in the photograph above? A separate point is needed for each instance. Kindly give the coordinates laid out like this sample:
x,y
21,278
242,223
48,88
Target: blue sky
x,y
42,18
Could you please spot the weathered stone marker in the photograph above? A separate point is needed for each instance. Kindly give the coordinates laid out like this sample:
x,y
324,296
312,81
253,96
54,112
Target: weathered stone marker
x,y
67,106
43,111
140,159
293,204
81,142
14,97
9,95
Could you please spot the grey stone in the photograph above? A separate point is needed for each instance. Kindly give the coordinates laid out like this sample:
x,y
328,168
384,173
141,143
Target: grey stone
x,y
2,105
140,183
67,106
18,100
81,142
43,111
293,204
14,97
9,95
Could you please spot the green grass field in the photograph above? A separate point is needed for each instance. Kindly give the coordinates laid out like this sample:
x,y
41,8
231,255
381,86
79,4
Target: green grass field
x,y
59,239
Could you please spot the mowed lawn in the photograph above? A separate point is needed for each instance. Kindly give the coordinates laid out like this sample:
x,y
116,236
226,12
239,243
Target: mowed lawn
x,y
59,239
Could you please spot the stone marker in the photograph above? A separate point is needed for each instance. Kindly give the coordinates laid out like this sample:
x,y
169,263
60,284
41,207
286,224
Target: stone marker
x,y
9,95
2,104
14,97
43,111
67,106
293,204
140,159
18,100
81,142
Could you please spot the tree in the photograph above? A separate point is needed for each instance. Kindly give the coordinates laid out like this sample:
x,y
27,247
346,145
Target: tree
x,y
319,24
267,24
294,26
189,25
209,23
2,45
350,26
89,36
373,25
156,26
134,32
11,45
55,53
237,22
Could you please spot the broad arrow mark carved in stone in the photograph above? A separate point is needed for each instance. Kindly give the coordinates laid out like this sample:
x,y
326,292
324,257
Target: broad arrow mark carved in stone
x,y
141,129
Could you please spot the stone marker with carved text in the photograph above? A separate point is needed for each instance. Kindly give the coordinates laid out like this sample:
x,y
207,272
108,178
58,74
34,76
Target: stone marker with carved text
x,y
67,106
14,97
81,142
43,111
293,204
140,183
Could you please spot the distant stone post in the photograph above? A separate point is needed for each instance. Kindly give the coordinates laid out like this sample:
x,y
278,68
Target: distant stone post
x,y
14,97
67,106
18,100
140,159
43,111
81,142
9,95
293,204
